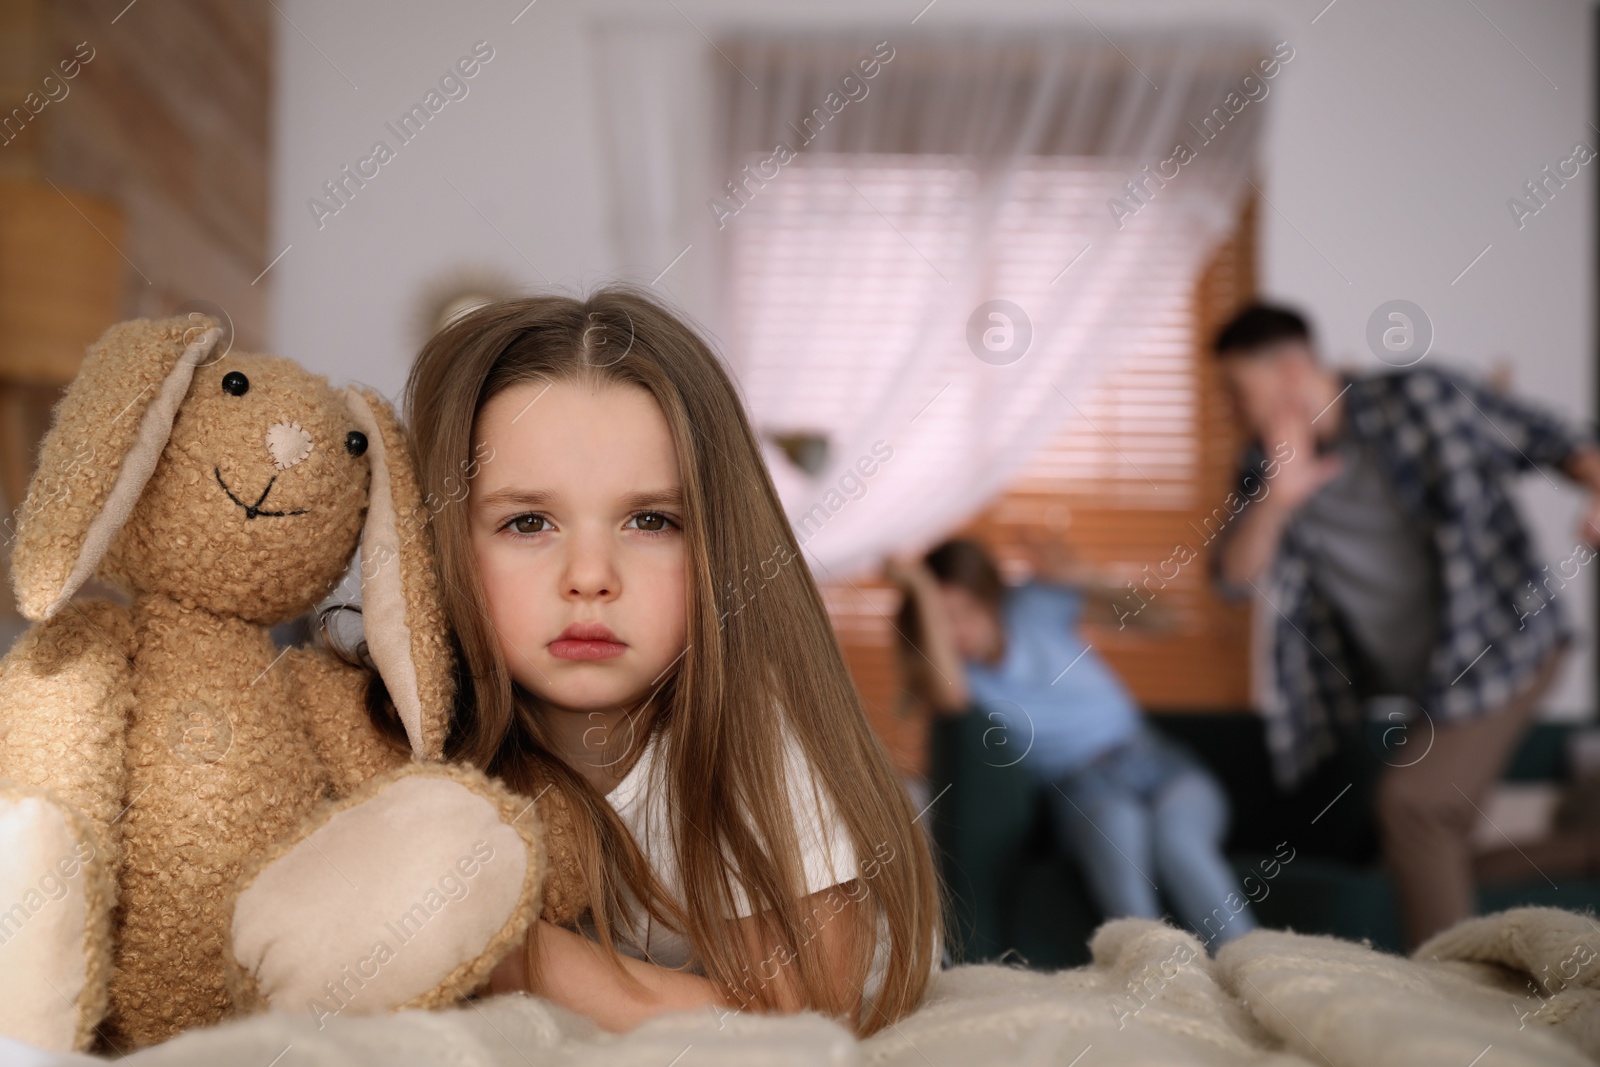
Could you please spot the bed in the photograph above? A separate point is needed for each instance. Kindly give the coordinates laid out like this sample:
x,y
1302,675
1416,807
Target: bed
x,y
1520,987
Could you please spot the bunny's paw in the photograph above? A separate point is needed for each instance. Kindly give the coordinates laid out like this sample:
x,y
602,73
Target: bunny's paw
x,y
55,906
404,894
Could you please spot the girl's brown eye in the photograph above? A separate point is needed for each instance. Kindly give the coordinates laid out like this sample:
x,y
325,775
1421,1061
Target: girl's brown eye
x,y
528,524
651,522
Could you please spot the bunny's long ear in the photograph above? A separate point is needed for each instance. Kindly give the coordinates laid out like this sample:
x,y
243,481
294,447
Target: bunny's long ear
x,y
105,437
401,612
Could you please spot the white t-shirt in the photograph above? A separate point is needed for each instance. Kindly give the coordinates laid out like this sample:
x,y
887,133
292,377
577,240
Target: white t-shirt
x,y
828,854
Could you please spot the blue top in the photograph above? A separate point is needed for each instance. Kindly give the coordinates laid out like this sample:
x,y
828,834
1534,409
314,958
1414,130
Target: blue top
x,y
1055,703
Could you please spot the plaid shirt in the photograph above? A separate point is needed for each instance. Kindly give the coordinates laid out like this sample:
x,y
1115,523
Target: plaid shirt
x,y
1449,446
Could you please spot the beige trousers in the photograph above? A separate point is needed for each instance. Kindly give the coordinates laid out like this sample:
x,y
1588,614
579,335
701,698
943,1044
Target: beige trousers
x,y
1426,811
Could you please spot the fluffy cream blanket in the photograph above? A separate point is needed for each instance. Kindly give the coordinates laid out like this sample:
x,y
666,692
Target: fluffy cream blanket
x,y
1517,988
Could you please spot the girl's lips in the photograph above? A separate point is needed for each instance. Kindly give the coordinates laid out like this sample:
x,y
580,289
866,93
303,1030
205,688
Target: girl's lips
x,y
568,648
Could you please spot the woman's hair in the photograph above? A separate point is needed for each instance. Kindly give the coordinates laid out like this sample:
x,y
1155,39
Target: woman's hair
x,y
967,565
959,562
759,648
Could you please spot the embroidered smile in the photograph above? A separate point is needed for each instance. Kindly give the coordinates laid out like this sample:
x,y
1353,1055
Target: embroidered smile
x,y
253,510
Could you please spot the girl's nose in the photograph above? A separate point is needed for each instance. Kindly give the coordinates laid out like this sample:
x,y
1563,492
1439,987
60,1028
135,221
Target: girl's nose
x,y
590,571
287,444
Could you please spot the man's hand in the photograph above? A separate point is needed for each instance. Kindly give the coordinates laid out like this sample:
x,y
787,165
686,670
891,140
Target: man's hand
x,y
1583,466
1589,532
1254,543
1304,473
1052,557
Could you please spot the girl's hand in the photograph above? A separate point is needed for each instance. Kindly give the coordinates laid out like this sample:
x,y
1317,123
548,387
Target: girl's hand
x,y
510,975
578,975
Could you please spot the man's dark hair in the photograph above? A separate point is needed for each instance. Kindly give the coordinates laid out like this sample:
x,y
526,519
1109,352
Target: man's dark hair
x,y
1258,326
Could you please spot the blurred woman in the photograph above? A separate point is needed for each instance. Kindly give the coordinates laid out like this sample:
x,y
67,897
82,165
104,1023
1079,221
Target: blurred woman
x,y
1136,810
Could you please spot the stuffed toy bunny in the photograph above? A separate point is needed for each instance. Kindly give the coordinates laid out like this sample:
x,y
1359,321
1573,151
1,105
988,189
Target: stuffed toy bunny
x,y
194,823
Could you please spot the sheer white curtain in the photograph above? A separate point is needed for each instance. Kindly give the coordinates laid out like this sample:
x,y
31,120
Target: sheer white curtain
x,y
866,199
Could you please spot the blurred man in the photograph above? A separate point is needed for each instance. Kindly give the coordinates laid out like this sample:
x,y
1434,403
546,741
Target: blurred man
x,y
1388,546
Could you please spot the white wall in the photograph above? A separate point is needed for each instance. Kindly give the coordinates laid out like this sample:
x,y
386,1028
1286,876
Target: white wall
x,y
1397,134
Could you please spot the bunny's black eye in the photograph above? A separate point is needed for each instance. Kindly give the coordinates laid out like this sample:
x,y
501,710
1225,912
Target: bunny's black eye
x,y
355,442
235,384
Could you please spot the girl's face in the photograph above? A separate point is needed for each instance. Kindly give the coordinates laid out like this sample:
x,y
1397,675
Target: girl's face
x,y
577,526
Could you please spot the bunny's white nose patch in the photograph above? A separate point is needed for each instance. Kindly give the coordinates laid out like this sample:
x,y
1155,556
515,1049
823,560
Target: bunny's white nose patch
x,y
288,443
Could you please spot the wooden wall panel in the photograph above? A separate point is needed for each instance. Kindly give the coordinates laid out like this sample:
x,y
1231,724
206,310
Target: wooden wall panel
x,y
133,187
172,121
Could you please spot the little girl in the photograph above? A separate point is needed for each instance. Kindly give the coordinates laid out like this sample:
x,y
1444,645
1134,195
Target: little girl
x,y
637,629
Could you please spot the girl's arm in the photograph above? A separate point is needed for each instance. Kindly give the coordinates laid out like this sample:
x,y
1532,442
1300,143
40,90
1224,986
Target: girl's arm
x,y
578,976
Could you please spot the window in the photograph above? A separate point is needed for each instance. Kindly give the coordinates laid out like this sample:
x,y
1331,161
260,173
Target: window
x,y
1162,416
811,328
857,266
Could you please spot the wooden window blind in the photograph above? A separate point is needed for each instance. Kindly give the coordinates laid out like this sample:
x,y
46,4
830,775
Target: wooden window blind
x,y
810,325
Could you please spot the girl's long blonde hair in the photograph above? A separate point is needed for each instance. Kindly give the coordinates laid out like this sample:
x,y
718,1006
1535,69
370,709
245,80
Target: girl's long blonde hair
x,y
759,646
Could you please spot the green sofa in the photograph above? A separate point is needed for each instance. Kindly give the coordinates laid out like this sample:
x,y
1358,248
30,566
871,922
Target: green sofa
x,y
1015,896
